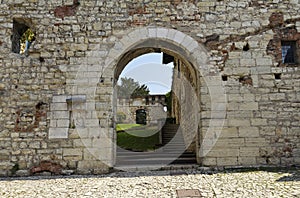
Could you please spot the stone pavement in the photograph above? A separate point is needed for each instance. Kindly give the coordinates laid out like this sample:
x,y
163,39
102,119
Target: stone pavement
x,y
228,183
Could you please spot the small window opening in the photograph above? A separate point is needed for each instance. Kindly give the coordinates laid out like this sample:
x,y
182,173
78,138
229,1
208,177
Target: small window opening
x,y
225,78
288,49
246,47
277,76
22,37
153,100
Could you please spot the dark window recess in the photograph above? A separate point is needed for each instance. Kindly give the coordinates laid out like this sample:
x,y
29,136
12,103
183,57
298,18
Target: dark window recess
x,y
246,47
147,101
22,36
277,76
167,59
18,30
288,51
141,116
225,78
153,100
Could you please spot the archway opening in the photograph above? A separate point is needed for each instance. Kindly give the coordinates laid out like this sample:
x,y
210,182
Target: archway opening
x,y
174,135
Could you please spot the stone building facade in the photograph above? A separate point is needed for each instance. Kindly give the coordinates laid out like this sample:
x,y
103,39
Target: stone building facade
x,y
153,105
238,97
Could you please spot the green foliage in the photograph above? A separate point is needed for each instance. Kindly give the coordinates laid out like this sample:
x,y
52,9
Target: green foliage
x,y
141,91
124,127
130,88
27,35
169,101
139,139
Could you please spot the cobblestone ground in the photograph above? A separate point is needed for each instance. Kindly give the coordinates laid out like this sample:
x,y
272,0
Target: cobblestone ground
x,y
158,184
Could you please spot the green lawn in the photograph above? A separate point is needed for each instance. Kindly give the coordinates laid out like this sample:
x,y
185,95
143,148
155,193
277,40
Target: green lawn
x,y
137,137
125,127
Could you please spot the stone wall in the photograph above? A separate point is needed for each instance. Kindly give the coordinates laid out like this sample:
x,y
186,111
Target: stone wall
x,y
154,108
248,99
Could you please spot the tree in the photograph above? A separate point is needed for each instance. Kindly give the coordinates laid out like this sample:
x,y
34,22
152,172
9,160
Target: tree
x,y
130,88
169,101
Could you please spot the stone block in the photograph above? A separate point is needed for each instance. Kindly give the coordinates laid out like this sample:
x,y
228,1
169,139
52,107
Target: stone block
x,y
238,122
247,62
263,62
255,142
248,106
205,4
179,37
4,155
232,63
91,123
72,152
58,133
59,106
267,131
62,123
246,161
97,26
223,152
249,151
104,155
229,143
227,161
248,132
259,122
92,164
209,161
229,132
35,144
59,99
102,143
83,143
60,115
277,96
236,24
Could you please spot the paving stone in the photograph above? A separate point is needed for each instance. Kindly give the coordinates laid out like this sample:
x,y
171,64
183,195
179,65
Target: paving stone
x,y
231,183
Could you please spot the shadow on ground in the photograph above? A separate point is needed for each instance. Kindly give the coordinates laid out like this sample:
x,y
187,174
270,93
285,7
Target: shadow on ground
x,y
293,173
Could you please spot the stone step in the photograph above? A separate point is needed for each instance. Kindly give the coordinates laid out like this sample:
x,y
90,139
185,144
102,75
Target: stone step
x,y
152,161
134,168
166,154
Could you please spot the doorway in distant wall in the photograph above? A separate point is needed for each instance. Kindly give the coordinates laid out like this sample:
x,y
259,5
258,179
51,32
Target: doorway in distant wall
x,y
141,116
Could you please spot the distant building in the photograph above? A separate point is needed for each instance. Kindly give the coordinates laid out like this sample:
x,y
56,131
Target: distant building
x,y
142,110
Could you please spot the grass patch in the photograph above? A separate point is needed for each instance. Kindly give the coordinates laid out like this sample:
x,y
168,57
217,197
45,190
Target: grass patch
x,y
124,127
138,138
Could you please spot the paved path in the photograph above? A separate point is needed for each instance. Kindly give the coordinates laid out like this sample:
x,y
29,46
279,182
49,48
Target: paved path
x,y
158,184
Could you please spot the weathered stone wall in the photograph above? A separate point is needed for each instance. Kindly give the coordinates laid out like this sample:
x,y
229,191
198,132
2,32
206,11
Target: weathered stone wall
x,y
80,43
154,108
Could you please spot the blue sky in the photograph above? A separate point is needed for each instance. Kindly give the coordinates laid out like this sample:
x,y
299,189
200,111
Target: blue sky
x,y
148,69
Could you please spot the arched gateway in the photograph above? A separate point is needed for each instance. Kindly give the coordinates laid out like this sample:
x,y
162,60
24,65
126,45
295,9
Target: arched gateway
x,y
93,102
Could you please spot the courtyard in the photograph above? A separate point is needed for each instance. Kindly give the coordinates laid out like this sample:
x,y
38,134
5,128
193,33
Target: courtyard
x,y
167,183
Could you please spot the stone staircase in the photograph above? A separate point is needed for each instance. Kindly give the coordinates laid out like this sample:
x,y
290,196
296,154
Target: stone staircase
x,y
171,153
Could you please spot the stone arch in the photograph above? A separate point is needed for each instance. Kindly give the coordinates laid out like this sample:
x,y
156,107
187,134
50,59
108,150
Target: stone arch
x,y
151,39
147,39
155,38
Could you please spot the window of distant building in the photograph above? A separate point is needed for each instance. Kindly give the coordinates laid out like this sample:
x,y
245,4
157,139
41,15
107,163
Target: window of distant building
x,y
288,52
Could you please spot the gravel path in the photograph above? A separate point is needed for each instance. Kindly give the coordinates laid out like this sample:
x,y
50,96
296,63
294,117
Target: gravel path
x,y
158,184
